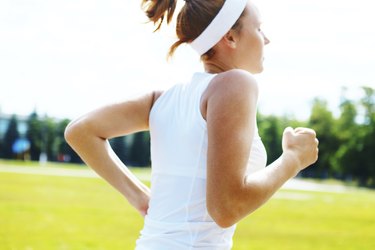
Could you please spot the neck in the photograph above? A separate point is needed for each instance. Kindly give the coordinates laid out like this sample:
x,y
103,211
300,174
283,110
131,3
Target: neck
x,y
216,67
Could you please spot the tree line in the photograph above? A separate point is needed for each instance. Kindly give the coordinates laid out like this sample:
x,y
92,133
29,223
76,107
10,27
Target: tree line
x,y
44,140
346,149
346,142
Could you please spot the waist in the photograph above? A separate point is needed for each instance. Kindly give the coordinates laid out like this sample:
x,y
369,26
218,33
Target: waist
x,y
185,235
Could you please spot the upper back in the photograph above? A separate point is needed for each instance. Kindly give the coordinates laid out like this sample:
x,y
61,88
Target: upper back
x,y
177,126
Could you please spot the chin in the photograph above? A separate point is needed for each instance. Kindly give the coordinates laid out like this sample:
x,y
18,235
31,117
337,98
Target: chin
x,y
257,70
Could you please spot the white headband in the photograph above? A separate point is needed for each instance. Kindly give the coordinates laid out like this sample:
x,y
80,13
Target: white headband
x,y
220,25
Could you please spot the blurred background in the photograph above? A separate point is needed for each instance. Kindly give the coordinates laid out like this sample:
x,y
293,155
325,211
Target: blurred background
x,y
61,59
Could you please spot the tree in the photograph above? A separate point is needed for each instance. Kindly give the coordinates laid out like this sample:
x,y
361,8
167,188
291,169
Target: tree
x,y
140,150
322,121
368,103
270,130
48,138
120,148
1,148
33,134
11,135
366,164
344,161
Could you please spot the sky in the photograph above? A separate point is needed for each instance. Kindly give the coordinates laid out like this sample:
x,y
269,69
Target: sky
x,y
65,58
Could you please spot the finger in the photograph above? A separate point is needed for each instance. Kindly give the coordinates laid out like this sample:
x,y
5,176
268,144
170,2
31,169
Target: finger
x,y
288,130
300,130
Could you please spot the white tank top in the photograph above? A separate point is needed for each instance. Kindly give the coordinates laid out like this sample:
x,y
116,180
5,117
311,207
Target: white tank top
x,y
177,217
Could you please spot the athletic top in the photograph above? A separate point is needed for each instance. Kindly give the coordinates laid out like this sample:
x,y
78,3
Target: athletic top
x,y
177,217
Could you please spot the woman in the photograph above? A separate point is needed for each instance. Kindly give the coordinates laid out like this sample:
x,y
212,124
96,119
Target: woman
x,y
208,161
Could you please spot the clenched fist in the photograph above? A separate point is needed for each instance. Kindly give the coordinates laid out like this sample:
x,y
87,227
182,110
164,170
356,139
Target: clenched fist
x,y
300,144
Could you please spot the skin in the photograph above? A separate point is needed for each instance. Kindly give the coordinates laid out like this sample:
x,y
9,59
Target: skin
x,y
229,108
241,49
95,128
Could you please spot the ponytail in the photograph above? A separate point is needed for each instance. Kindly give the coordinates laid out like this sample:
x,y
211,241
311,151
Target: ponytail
x,y
157,10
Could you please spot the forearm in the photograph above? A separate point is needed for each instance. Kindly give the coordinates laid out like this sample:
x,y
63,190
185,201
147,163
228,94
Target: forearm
x,y
300,150
259,187
231,195
97,153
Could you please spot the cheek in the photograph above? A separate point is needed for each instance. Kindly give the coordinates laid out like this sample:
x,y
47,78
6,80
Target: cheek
x,y
256,46
260,42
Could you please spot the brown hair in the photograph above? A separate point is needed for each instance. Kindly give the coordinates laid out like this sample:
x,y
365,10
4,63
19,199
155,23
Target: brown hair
x,y
192,20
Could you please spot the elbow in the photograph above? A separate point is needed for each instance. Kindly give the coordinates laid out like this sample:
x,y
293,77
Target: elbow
x,y
224,221
223,215
73,132
69,133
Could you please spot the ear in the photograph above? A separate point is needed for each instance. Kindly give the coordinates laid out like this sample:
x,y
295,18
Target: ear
x,y
231,39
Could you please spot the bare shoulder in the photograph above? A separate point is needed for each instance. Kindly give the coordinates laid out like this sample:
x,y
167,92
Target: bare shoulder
x,y
238,83
230,88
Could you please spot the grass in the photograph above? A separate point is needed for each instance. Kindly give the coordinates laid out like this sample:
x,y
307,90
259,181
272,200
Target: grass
x,y
313,221
68,213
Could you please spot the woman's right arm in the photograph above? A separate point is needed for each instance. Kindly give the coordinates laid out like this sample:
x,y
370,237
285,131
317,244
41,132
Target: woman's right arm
x,y
230,116
89,135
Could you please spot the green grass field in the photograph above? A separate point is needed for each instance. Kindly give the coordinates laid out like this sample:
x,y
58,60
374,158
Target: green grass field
x,y
41,212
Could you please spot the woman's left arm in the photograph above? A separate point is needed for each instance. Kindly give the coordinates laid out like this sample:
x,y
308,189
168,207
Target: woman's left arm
x,y
89,134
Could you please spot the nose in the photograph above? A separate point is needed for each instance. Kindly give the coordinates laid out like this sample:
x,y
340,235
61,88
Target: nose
x,y
266,40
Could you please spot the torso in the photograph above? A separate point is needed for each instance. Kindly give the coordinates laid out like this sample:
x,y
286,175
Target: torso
x,y
177,216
